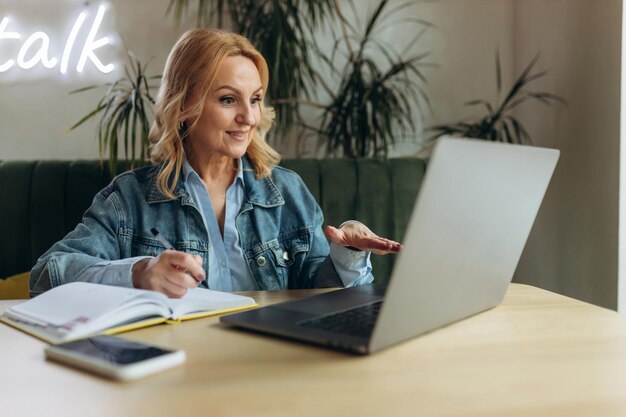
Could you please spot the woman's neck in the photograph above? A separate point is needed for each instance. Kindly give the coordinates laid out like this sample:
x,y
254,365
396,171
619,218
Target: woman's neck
x,y
215,168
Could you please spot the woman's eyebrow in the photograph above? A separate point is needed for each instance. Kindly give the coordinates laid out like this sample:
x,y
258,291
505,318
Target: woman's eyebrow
x,y
236,90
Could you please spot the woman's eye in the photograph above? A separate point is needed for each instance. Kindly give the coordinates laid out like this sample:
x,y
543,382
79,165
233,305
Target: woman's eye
x,y
255,100
227,100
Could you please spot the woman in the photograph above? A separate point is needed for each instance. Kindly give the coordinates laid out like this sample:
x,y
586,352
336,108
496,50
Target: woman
x,y
236,221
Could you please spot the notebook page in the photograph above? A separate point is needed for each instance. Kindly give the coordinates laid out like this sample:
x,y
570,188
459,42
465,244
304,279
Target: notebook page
x,y
202,299
80,301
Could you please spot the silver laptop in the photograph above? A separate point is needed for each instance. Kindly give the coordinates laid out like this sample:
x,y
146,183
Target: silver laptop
x,y
466,234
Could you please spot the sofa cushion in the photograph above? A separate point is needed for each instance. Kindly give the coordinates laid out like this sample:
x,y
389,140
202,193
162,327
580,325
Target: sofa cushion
x,y
14,287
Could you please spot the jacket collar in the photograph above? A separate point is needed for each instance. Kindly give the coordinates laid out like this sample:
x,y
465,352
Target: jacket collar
x,y
156,196
261,192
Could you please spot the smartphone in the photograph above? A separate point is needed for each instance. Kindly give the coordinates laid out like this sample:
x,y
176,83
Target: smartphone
x,y
114,357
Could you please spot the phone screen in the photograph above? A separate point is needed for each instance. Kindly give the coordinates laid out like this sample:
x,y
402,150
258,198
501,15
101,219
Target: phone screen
x,y
114,350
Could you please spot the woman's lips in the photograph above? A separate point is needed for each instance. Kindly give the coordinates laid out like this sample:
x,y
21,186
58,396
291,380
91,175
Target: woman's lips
x,y
238,134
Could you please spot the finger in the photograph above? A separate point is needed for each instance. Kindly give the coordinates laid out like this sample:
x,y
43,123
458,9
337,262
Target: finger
x,y
373,244
393,243
191,264
378,245
196,273
335,235
180,279
387,252
172,291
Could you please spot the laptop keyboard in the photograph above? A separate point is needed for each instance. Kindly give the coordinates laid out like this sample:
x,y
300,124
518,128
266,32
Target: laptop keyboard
x,y
355,322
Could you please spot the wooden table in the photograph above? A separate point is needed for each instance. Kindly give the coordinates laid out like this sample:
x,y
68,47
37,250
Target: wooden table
x,y
538,354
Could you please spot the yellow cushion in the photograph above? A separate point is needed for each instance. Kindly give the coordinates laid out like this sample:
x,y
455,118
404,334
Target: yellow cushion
x,y
15,287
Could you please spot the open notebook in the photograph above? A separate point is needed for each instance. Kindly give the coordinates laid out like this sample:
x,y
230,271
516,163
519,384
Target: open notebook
x,y
80,309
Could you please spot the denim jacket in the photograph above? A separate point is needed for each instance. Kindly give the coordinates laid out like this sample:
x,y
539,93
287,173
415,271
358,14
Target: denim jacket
x,y
279,226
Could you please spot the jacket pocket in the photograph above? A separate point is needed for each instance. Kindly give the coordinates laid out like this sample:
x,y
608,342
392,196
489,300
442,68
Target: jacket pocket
x,y
276,262
148,246
290,249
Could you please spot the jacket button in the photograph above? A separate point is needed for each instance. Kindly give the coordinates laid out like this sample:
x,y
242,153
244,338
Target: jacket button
x,y
260,261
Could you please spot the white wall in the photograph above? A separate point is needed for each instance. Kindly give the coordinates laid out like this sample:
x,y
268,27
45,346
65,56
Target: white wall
x,y
35,108
573,247
621,301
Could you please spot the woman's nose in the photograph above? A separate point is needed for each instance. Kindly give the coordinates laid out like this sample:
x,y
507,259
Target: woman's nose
x,y
246,116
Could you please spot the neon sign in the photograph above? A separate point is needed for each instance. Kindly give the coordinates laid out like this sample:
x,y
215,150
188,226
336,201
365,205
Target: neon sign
x,y
35,49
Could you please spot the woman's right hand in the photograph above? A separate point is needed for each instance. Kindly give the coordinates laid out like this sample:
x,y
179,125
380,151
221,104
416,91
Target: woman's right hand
x,y
172,273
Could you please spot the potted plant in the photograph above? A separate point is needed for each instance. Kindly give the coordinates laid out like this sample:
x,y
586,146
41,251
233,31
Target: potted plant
x,y
499,124
372,103
125,112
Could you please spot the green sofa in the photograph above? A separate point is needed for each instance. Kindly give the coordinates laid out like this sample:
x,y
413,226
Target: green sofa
x,y
41,201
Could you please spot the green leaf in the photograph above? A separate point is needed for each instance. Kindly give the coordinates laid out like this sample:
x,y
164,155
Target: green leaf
x,y
121,108
498,124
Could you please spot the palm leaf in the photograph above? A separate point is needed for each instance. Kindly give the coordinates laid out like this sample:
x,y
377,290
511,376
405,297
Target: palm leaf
x,y
372,104
498,124
123,118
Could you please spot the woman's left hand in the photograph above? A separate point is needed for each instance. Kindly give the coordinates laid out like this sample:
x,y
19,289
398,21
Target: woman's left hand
x,y
359,236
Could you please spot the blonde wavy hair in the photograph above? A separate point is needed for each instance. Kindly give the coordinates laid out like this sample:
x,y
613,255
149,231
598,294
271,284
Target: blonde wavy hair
x,y
191,67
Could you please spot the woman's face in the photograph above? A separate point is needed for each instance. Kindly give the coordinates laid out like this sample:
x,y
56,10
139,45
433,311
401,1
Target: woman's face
x,y
231,111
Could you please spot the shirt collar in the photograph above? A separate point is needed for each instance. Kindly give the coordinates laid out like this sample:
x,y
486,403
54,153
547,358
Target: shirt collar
x,y
188,170
262,192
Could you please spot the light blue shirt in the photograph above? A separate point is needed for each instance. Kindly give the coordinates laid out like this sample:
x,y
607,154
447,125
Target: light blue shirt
x,y
227,270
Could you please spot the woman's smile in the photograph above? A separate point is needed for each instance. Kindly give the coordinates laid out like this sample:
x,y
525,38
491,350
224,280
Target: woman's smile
x,y
239,135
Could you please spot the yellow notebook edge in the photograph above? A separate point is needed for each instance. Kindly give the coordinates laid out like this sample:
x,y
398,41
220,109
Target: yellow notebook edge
x,y
152,321
158,320
202,314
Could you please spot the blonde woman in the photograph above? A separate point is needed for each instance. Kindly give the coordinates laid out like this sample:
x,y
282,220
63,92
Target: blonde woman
x,y
228,218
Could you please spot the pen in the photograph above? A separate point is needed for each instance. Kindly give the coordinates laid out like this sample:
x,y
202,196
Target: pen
x,y
161,239
168,245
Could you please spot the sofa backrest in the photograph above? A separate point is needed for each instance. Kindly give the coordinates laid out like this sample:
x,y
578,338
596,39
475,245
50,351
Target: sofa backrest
x,y
41,201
